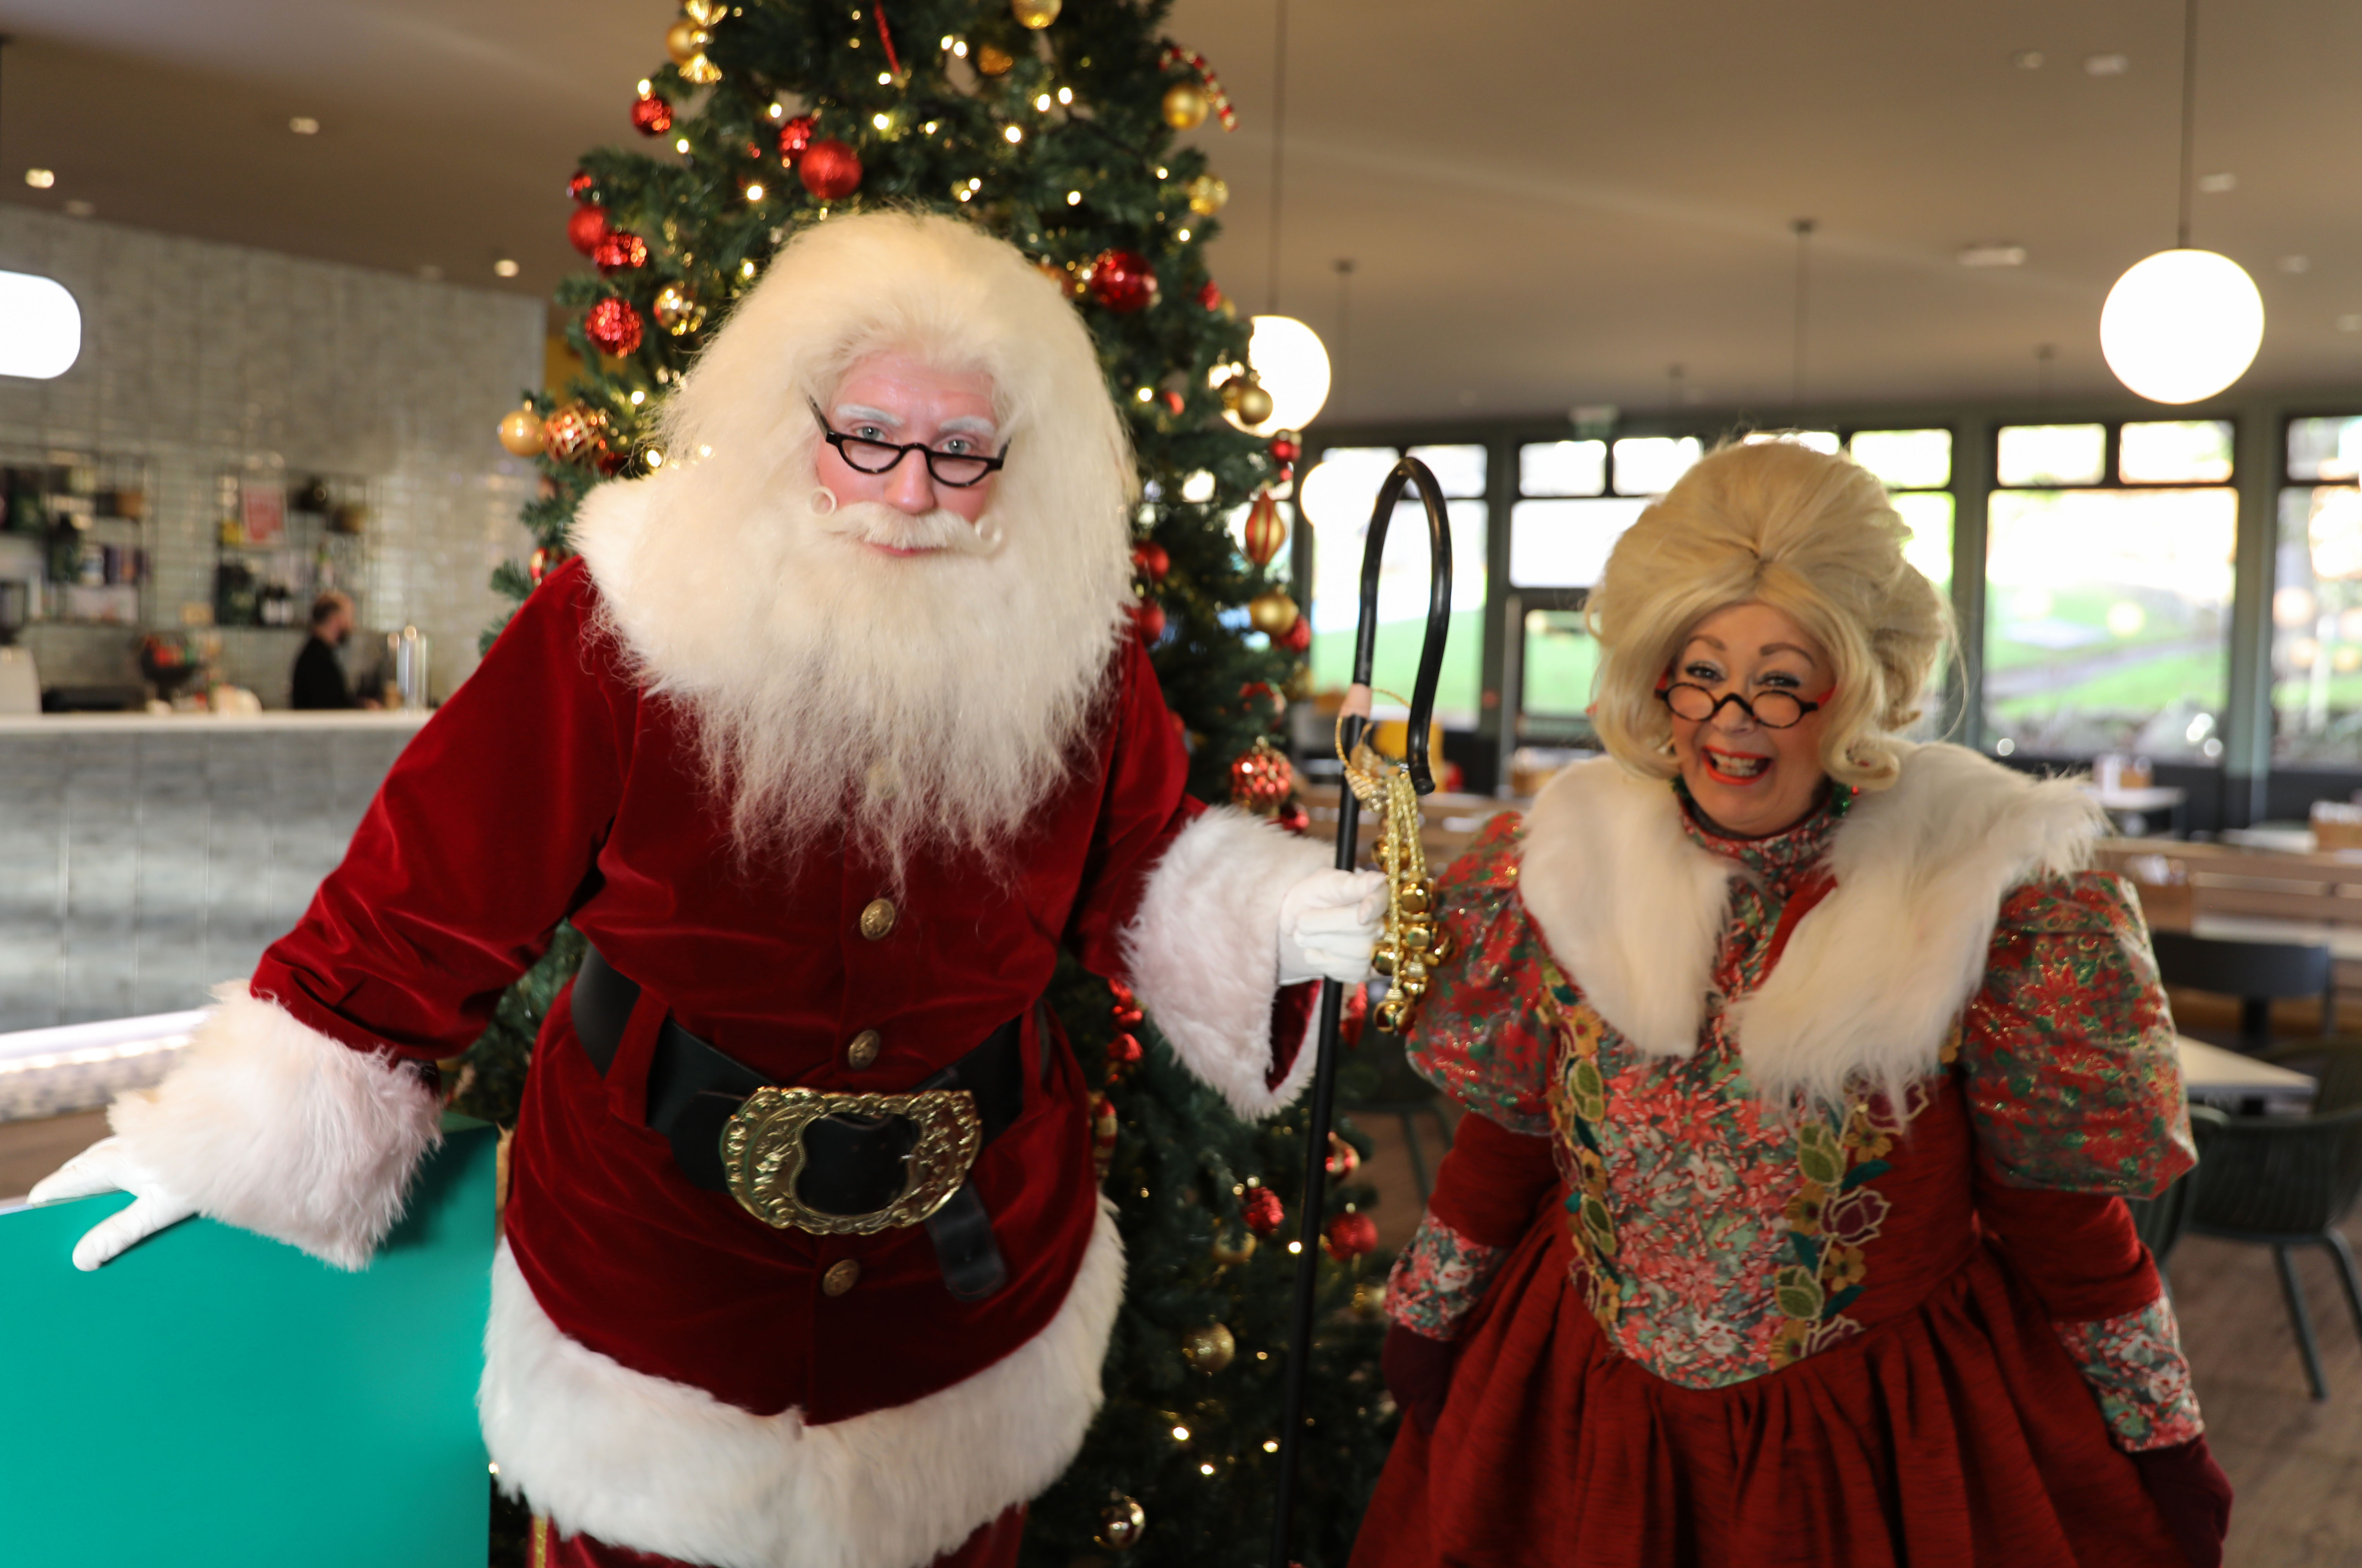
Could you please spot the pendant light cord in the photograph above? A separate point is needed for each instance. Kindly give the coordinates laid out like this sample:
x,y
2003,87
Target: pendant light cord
x,y
1803,228
1279,143
2188,116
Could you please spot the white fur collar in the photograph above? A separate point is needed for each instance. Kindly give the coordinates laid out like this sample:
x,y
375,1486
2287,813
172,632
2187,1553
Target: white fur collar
x,y
1872,978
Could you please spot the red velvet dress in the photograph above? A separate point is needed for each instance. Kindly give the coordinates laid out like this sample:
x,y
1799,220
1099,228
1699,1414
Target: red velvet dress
x,y
1697,1331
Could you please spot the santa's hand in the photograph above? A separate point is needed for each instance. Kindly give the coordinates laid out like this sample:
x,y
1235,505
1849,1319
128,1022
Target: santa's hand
x,y
1328,926
108,1167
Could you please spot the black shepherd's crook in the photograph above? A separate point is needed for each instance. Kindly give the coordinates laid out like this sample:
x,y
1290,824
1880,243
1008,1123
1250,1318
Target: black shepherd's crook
x,y
1410,471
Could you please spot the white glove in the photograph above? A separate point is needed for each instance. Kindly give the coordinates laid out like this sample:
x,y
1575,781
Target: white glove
x,y
108,1167
1327,925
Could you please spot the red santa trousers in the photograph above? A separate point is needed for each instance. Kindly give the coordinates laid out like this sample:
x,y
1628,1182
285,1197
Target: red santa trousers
x,y
993,1545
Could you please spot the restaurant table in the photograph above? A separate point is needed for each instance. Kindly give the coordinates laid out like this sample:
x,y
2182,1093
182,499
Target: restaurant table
x,y
2345,942
2216,1076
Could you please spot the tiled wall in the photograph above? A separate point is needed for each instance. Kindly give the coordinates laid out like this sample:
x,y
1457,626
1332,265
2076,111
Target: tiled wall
x,y
201,358
139,869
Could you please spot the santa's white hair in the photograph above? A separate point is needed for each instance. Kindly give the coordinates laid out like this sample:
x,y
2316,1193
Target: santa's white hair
x,y
936,698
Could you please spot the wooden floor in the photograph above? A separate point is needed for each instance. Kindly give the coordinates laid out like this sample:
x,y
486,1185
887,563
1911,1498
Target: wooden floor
x,y
2296,1464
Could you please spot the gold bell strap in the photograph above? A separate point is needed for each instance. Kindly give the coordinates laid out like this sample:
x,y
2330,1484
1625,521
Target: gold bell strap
x,y
1411,940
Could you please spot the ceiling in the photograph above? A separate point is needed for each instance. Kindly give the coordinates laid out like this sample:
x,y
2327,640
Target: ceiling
x,y
1546,204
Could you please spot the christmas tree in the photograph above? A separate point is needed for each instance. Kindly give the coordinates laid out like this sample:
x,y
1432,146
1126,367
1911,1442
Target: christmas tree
x,y
1054,130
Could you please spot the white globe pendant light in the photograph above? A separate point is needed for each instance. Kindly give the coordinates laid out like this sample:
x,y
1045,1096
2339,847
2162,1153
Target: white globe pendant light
x,y
2181,325
1292,366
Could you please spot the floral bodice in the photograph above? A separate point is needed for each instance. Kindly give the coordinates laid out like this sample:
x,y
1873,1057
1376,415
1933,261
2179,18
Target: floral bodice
x,y
1717,1238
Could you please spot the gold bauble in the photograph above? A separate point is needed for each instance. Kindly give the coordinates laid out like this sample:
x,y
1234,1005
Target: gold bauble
x,y
1209,1349
1244,396
685,40
1273,614
521,432
1185,106
1121,1524
1034,13
1207,193
992,61
1233,1249
676,311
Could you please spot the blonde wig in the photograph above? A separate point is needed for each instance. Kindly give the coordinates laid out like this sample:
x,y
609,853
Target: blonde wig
x,y
1779,524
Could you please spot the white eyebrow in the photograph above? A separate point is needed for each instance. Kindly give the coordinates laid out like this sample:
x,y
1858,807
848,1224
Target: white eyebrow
x,y
848,412
967,425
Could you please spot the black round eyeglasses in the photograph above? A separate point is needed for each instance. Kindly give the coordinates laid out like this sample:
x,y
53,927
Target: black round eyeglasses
x,y
863,455
1772,709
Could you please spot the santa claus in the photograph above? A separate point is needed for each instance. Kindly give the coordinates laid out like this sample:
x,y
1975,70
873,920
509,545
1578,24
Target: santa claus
x,y
830,738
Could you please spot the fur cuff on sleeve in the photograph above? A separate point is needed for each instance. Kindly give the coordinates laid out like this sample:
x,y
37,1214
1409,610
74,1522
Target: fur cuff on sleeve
x,y
276,1128
1204,952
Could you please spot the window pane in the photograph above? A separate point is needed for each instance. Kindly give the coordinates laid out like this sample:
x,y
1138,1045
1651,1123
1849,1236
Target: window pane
x,y
2325,448
1648,464
1907,459
1402,605
1824,441
1562,467
1340,489
1559,660
1928,515
2317,627
1564,545
2175,451
2104,622
2053,454
1459,469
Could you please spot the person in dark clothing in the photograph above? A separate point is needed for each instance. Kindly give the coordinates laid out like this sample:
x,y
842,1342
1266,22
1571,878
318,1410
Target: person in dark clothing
x,y
319,673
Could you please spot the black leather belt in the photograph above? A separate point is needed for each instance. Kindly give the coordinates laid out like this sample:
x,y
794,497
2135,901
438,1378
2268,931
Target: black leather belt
x,y
852,1165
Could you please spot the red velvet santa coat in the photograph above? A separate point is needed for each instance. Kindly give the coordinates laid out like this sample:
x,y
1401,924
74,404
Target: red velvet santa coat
x,y
665,1371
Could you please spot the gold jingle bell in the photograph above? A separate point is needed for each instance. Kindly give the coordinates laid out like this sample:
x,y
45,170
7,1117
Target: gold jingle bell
x,y
1034,13
521,432
991,60
676,311
1233,1249
1185,107
1121,1524
1209,1349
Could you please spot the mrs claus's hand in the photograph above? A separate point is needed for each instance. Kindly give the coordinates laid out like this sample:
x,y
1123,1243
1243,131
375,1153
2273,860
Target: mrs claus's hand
x,y
1327,925
108,1167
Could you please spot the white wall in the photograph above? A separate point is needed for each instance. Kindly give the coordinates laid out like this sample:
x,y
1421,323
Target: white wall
x,y
199,359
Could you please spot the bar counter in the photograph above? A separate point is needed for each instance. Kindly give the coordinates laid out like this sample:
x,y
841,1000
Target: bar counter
x,y
146,858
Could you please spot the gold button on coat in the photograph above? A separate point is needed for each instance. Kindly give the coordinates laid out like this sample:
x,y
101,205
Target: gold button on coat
x,y
878,919
863,1050
842,1276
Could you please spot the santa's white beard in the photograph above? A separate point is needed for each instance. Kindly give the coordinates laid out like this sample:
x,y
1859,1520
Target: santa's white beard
x,y
932,700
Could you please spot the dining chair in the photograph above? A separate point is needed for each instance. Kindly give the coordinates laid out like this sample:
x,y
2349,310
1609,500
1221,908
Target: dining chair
x,y
2257,973
2161,1221
2282,1182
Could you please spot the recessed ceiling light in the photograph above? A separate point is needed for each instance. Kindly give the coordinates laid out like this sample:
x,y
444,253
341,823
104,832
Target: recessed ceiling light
x,y
2296,263
2106,64
2219,182
41,179
1992,256
79,209
504,268
304,125
2028,60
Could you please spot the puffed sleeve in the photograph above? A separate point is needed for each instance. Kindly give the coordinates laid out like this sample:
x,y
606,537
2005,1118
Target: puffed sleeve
x,y
2067,1053
1480,1035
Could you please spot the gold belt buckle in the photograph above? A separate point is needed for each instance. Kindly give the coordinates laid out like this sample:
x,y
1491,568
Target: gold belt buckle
x,y
762,1154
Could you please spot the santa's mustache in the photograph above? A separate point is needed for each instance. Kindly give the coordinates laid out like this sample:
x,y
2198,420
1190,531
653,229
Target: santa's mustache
x,y
874,523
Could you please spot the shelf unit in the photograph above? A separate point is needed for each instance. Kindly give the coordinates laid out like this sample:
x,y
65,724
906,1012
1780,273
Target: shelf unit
x,y
279,543
75,532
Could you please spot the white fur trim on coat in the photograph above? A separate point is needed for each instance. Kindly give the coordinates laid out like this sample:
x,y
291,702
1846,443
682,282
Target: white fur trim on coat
x,y
1872,978
270,1126
1203,951
660,1466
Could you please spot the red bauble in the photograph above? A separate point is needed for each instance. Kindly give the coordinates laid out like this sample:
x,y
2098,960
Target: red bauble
x,y
1262,1212
830,170
1261,780
1294,818
794,137
581,185
1351,1235
1210,296
1283,448
652,117
1151,560
612,326
620,251
1122,281
586,228
1124,1051
1296,639
1149,617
